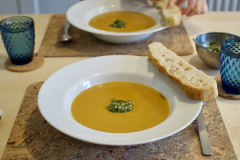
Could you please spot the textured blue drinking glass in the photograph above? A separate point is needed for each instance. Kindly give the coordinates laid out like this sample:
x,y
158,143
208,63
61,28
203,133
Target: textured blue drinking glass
x,y
230,66
18,36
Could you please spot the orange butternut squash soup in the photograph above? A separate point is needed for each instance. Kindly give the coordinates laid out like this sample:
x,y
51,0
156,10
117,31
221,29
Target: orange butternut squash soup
x,y
122,21
90,107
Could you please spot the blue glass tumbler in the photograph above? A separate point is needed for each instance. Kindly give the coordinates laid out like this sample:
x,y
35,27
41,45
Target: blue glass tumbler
x,y
230,66
18,36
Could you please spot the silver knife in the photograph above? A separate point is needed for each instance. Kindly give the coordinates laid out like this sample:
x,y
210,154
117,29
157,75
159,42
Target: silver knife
x,y
205,145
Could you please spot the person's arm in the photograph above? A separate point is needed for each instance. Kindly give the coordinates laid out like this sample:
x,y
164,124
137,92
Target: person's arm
x,y
194,7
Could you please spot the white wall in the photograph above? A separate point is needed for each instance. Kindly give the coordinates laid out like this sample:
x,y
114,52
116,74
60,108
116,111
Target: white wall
x,y
55,6
25,6
223,5
61,6
8,7
35,6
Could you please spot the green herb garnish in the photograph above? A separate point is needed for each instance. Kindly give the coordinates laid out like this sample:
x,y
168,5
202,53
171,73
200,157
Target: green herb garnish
x,y
118,24
120,106
215,46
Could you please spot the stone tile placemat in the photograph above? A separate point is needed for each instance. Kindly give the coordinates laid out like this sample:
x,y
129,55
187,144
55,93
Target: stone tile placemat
x,y
33,138
85,44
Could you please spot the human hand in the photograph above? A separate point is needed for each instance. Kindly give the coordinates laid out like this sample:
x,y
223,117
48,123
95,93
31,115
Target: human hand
x,y
194,7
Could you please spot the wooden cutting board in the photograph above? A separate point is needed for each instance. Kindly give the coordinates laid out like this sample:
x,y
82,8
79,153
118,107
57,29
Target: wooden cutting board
x,y
85,44
32,137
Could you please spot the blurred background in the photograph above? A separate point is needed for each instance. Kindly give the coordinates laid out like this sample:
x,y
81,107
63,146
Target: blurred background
x,y
61,6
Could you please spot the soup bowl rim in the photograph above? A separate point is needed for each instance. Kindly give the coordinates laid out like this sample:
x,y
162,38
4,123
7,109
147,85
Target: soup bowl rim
x,y
58,91
74,15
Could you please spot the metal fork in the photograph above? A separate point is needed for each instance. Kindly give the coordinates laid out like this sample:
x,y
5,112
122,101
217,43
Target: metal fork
x,y
205,145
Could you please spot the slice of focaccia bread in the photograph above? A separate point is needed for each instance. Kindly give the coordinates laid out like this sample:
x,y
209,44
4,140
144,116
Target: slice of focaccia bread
x,y
194,83
172,16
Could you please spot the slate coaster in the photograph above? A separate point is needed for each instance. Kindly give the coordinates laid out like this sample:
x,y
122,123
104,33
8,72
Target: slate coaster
x,y
33,138
85,44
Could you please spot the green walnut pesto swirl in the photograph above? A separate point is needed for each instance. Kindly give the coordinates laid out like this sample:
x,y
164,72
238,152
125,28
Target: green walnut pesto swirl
x,y
118,24
120,106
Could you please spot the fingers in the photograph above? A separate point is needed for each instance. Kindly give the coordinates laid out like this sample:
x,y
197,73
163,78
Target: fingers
x,y
181,3
171,3
204,7
195,7
189,8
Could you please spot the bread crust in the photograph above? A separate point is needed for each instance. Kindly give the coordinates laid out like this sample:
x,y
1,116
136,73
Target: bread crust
x,y
172,16
193,92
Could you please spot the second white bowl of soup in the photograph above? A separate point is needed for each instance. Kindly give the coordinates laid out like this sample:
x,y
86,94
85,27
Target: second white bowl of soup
x,y
117,21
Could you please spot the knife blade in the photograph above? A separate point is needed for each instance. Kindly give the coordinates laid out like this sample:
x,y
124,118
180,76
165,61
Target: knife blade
x,y
205,145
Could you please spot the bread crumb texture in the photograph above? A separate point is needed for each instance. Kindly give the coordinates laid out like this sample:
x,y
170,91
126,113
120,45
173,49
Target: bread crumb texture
x,y
171,16
194,83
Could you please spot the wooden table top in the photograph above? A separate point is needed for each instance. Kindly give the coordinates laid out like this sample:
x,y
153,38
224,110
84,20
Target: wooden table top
x,y
14,84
